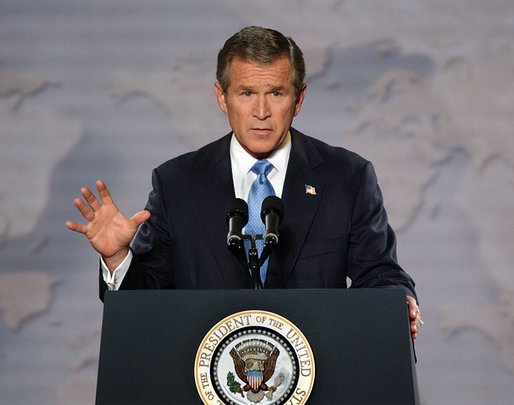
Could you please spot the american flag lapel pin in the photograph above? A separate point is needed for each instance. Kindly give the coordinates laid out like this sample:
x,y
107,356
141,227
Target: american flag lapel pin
x,y
310,189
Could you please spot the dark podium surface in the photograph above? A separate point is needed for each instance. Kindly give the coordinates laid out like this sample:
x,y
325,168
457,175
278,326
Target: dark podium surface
x,y
360,340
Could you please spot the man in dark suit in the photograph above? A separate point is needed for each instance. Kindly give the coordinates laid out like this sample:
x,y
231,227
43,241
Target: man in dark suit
x,y
335,225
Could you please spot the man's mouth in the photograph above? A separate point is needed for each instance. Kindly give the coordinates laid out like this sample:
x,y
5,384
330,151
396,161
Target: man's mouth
x,y
261,131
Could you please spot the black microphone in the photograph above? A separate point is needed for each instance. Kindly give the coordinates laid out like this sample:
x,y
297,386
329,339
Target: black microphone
x,y
272,214
237,217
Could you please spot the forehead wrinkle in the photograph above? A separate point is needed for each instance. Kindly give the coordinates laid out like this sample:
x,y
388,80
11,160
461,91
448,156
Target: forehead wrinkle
x,y
268,87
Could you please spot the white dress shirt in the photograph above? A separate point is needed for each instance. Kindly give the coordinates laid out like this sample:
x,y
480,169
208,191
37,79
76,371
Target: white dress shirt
x,y
241,162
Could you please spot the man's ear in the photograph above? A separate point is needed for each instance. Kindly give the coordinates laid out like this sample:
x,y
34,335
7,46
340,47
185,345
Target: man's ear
x,y
299,100
220,95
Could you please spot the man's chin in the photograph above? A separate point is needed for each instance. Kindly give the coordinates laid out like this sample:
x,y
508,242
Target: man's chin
x,y
261,155
260,152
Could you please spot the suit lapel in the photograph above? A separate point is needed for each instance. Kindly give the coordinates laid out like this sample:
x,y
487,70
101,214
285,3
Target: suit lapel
x,y
215,190
305,168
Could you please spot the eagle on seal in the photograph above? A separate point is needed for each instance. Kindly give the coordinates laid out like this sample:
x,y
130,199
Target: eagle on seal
x,y
255,365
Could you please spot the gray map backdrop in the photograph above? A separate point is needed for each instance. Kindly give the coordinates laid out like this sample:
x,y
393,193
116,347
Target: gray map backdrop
x,y
110,89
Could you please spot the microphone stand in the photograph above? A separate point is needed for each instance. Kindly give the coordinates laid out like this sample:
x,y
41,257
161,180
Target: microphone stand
x,y
254,263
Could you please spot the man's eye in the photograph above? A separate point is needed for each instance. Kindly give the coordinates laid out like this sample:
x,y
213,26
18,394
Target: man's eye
x,y
247,93
277,93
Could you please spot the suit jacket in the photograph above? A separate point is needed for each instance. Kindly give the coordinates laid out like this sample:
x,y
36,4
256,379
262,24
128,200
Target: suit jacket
x,y
340,231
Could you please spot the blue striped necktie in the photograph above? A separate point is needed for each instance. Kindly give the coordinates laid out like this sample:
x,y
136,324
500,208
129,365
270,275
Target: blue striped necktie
x,y
261,188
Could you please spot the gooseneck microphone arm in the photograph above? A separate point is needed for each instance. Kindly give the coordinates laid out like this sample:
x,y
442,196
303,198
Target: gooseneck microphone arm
x,y
272,214
237,217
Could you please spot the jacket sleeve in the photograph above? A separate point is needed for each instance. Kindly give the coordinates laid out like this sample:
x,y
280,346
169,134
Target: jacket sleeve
x,y
372,260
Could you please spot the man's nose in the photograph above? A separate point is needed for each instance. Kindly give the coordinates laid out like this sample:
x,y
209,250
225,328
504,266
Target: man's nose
x,y
261,108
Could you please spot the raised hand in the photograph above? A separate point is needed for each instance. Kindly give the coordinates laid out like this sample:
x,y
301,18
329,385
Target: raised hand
x,y
108,231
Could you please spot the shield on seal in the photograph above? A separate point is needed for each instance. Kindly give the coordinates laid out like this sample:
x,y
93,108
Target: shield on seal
x,y
255,379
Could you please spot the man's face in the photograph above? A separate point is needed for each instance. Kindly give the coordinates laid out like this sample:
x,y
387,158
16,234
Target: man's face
x,y
260,103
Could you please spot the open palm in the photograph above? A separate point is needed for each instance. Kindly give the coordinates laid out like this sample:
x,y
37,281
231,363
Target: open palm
x,y
109,232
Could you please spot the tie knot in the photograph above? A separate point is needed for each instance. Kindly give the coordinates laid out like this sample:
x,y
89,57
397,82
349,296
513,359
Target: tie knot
x,y
262,167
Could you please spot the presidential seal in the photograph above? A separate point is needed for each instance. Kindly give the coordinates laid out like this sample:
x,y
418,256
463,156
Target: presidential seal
x,y
254,357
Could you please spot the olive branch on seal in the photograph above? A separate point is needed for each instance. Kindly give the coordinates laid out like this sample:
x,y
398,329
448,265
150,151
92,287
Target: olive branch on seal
x,y
233,385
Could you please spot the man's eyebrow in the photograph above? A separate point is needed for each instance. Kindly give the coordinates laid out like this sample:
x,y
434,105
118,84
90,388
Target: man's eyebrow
x,y
277,88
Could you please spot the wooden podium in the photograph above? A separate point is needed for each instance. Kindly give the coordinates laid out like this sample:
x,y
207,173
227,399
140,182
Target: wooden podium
x,y
359,338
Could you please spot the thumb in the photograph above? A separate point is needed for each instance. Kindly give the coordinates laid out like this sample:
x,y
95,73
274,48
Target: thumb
x,y
140,217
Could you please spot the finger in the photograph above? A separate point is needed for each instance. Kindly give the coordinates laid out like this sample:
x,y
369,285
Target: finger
x,y
103,192
140,217
84,209
76,227
90,198
413,307
414,326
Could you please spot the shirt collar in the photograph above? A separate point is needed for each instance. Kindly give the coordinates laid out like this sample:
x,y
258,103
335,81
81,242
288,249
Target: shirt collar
x,y
242,161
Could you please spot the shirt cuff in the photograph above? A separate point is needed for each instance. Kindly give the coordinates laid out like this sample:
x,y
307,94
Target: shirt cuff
x,y
115,279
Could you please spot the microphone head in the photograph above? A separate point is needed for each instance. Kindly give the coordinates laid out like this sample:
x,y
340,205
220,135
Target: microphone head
x,y
239,207
272,204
